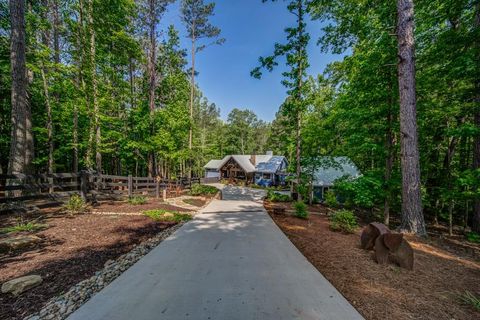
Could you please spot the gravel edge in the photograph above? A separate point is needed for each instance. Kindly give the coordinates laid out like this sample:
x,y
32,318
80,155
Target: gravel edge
x,y
60,307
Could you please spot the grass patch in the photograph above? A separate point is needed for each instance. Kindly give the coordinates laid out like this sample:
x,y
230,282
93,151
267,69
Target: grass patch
x,y
344,221
137,200
23,227
164,215
471,299
203,190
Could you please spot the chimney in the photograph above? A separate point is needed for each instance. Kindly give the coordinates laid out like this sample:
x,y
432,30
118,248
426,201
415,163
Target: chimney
x,y
269,153
253,159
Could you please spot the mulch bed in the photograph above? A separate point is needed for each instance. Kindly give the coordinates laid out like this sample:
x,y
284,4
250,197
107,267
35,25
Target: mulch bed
x,y
433,290
73,249
125,207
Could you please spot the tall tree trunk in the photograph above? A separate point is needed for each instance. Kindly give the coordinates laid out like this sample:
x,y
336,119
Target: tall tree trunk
x,y
18,162
412,212
388,166
192,99
93,71
49,120
75,139
476,143
299,102
152,80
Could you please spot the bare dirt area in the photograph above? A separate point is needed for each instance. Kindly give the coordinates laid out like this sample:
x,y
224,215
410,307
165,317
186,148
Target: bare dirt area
x,y
433,290
72,249
125,207
195,202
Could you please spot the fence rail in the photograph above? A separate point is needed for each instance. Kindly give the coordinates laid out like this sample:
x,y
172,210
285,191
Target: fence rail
x,y
48,190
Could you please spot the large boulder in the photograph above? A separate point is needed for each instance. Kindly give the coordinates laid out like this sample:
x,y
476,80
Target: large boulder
x,y
18,242
22,284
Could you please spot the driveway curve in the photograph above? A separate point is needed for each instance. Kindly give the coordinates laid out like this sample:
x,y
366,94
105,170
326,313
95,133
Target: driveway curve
x,y
230,262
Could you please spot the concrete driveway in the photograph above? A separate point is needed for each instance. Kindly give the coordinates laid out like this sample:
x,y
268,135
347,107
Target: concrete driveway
x,y
241,193
230,262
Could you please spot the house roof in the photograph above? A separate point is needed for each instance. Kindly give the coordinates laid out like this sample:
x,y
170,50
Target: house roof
x,y
213,164
272,165
333,168
264,162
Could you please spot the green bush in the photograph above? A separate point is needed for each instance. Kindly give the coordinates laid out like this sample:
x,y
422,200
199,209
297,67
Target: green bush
x,y
137,200
203,190
343,220
163,215
277,197
75,204
300,210
473,237
20,227
331,199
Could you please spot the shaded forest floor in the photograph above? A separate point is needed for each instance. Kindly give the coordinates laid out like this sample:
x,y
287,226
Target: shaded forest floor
x,y
72,249
443,272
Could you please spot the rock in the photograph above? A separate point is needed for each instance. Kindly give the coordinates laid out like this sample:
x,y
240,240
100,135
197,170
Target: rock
x,y
18,242
19,285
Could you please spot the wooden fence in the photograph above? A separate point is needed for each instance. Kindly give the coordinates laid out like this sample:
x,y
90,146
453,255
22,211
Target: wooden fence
x,y
19,192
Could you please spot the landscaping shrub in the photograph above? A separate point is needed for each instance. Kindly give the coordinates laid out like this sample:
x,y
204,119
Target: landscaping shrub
x,y
473,237
23,226
343,220
331,199
75,205
277,197
163,215
137,200
203,190
300,210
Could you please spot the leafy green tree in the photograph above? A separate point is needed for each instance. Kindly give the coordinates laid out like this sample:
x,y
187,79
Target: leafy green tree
x,y
295,52
195,16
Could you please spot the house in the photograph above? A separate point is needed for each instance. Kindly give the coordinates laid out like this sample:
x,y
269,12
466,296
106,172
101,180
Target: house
x,y
264,170
331,169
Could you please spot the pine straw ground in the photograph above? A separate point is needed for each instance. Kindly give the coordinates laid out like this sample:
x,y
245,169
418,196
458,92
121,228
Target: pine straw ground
x,y
73,248
432,290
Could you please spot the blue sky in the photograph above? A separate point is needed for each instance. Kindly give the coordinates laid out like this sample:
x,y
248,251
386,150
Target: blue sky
x,y
250,28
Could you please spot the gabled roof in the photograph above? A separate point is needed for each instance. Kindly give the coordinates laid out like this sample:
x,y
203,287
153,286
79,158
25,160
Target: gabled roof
x,y
272,165
265,162
213,164
333,168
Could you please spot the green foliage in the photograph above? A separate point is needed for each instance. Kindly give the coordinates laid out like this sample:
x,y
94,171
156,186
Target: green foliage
x,y
203,190
365,191
23,227
137,200
75,204
300,210
344,221
473,237
471,299
331,199
163,215
277,197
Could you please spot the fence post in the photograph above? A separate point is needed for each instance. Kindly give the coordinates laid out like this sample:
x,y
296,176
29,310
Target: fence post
x,y
157,188
83,185
130,186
